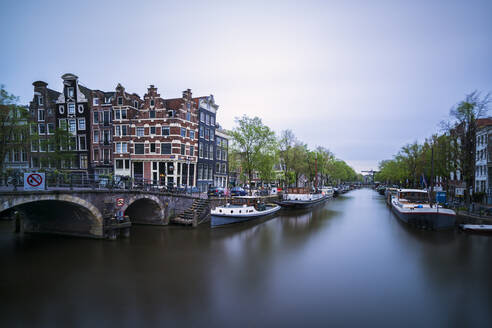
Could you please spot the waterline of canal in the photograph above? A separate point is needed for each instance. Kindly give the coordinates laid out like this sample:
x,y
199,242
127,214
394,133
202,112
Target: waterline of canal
x,y
348,262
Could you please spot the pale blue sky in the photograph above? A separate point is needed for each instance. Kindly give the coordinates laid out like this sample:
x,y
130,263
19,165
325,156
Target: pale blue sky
x,y
361,78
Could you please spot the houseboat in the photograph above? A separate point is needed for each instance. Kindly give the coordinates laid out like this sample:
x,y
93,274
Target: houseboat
x,y
241,209
413,206
302,198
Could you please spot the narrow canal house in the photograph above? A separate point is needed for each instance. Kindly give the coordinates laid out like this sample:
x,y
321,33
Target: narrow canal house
x,y
207,110
101,136
73,114
483,158
221,157
155,139
43,121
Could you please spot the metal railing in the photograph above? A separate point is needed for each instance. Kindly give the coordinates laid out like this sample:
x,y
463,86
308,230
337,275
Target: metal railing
x,y
82,181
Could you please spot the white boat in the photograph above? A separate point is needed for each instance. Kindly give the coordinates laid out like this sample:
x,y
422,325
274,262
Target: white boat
x,y
412,206
328,191
241,209
477,227
301,198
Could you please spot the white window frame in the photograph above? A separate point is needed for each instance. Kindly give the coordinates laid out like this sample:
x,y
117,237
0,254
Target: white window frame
x,y
70,106
95,136
39,115
81,123
83,136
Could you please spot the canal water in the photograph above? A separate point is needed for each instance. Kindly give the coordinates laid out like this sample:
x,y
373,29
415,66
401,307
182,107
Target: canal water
x,y
347,263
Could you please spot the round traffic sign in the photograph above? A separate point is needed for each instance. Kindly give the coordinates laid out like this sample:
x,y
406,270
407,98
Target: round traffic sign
x,y
34,179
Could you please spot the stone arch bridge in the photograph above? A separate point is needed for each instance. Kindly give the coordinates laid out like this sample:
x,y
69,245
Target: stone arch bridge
x,y
87,213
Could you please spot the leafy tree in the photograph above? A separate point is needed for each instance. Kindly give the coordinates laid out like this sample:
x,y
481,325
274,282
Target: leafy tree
x,y
253,140
14,127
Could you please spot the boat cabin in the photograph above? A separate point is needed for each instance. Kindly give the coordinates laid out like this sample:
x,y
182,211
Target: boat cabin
x,y
413,196
248,201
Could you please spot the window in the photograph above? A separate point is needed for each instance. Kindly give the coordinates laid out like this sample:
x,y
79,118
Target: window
x,y
192,151
165,130
205,150
61,109
117,114
41,129
117,130
170,113
120,101
70,91
200,171
183,149
107,137
201,132
124,130
152,102
63,124
212,134
188,116
72,125
139,148
165,148
83,161
152,130
210,174
40,100
95,101
202,117
51,128
152,114
183,132
34,146
200,150
81,123
106,117
140,131
82,143
217,168
212,120
96,155
123,114
96,136
81,108
40,114
224,168
119,164
135,104
218,153
95,117
207,134
208,119
152,147
71,108
211,151
205,172
121,147
72,143
192,135
42,145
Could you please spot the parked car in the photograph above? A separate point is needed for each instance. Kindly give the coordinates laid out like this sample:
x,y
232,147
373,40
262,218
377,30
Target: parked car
x,y
216,192
238,191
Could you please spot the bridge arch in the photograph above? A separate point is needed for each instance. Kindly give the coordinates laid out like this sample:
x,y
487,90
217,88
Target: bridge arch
x,y
69,214
145,209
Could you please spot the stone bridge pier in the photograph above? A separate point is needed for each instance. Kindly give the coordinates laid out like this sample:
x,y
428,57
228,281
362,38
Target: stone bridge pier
x,y
88,213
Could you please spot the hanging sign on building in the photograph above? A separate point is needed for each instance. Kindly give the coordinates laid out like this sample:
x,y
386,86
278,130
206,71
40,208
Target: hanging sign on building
x,y
459,191
34,181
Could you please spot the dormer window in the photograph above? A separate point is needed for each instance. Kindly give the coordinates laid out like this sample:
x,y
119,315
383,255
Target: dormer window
x,y
120,101
152,102
40,100
135,104
70,92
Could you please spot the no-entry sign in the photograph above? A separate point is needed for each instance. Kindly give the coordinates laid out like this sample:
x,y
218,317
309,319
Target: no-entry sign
x,y
120,202
34,181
